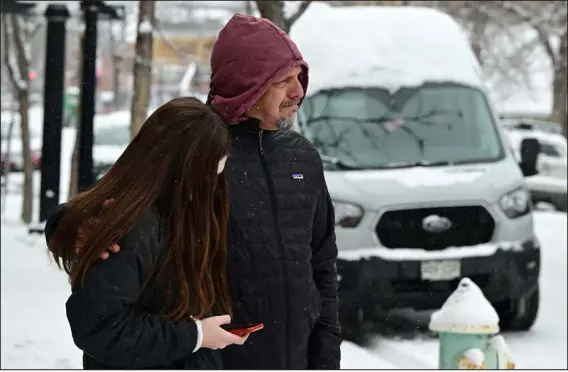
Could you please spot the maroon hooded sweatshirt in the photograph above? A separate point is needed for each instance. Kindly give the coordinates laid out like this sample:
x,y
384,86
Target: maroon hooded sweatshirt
x,y
281,260
249,55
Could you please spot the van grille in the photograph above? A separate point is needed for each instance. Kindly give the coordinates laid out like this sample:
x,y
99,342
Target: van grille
x,y
471,225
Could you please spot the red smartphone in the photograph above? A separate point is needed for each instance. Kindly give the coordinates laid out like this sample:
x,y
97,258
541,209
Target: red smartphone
x,y
242,329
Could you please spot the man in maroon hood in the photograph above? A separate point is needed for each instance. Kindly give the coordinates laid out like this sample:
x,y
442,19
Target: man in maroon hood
x,y
282,252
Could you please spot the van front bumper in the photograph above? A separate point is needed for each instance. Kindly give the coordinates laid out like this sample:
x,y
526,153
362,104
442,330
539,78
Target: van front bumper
x,y
374,282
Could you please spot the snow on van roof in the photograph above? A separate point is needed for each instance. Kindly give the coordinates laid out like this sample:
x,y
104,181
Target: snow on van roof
x,y
387,47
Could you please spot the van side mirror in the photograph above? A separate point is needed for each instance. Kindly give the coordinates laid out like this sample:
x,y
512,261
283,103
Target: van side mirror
x,y
530,148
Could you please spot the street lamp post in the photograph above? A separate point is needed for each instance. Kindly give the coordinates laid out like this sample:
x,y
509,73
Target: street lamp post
x,y
87,97
56,16
92,10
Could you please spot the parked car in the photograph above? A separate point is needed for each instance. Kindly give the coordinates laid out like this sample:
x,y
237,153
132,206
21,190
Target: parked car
x,y
111,136
36,139
425,188
550,185
532,124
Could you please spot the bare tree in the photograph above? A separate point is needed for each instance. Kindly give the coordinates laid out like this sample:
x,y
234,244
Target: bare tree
x,y
17,33
498,34
276,11
117,41
249,7
500,51
549,21
142,65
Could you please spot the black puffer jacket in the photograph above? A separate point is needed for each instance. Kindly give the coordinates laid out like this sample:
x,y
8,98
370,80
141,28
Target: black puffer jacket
x,y
282,252
113,320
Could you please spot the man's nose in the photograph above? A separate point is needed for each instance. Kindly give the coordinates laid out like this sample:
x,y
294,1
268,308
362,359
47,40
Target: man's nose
x,y
296,90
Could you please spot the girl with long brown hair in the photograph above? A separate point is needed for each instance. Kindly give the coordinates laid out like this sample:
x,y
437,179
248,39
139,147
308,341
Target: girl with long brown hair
x,y
160,302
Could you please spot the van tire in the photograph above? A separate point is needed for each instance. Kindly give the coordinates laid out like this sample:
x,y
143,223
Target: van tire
x,y
511,320
353,326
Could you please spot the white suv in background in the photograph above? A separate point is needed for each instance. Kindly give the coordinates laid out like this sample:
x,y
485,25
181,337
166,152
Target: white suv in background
x,y
550,185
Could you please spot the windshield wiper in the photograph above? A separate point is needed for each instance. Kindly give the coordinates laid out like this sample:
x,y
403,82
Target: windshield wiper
x,y
343,166
338,163
423,163
420,163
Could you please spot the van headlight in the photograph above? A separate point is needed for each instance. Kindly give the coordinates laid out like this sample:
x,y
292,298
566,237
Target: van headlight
x,y
516,203
347,215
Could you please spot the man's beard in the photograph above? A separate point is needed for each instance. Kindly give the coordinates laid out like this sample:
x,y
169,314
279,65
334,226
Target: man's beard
x,y
285,124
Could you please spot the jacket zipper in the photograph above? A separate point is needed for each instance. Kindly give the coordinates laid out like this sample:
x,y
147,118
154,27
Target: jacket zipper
x,y
274,207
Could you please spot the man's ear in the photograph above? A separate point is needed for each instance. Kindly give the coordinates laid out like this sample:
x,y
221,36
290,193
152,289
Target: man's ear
x,y
254,112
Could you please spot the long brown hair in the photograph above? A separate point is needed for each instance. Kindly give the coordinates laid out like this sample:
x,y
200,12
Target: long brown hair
x,y
171,164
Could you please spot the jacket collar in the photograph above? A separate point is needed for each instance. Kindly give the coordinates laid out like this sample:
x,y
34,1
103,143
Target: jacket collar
x,y
251,125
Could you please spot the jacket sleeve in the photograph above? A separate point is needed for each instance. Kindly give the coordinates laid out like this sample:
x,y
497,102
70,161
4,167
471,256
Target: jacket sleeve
x,y
103,319
325,339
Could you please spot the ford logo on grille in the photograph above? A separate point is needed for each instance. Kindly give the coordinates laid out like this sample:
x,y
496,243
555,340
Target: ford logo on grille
x,y
436,224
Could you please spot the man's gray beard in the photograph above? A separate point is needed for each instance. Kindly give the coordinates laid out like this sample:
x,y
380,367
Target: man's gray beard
x,y
285,124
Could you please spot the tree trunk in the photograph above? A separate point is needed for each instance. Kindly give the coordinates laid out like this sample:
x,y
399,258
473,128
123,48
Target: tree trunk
x,y
28,195
560,79
116,67
249,8
274,11
74,168
142,66
15,37
478,36
116,62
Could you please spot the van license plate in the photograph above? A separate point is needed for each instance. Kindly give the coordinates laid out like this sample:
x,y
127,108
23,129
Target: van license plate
x,y
436,270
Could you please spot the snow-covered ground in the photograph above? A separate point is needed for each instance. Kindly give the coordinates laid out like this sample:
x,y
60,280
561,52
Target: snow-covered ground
x,y
35,333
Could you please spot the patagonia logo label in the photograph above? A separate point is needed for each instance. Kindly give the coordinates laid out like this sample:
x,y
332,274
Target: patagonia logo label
x,y
297,176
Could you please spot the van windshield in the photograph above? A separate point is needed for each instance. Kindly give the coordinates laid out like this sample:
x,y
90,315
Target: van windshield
x,y
428,125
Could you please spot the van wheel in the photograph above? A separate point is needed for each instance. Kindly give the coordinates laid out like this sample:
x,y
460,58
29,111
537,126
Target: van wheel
x,y
510,317
561,205
353,327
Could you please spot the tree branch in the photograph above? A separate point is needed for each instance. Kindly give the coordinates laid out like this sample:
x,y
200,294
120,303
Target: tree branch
x,y
9,31
20,43
522,14
301,10
180,53
7,42
32,29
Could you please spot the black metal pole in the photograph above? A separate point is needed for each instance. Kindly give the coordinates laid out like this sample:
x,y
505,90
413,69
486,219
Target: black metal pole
x,y
85,176
56,16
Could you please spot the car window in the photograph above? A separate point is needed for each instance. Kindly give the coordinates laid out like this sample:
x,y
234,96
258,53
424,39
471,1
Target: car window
x,y
549,150
113,136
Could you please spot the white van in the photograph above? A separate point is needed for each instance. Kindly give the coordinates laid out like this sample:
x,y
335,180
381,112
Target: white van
x,y
426,190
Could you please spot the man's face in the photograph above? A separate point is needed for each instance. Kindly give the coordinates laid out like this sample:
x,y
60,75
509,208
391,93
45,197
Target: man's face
x,y
278,106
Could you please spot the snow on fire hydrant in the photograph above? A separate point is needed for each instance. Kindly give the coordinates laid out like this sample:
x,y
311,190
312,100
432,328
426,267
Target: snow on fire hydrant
x,y
468,326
